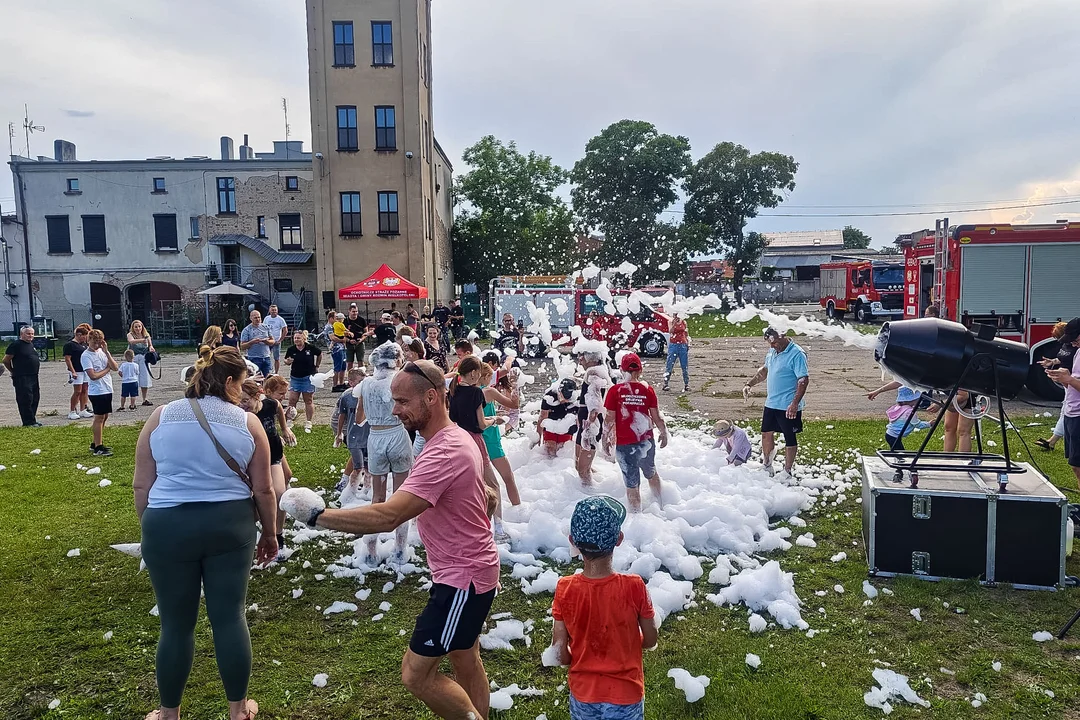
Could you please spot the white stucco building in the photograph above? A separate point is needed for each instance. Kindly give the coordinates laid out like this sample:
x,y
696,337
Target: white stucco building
x,y
117,240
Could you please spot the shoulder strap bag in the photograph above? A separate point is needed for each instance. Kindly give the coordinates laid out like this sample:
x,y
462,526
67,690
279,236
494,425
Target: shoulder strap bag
x,y
229,460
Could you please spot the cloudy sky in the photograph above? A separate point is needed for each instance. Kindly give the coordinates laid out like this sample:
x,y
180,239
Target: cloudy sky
x,y
893,106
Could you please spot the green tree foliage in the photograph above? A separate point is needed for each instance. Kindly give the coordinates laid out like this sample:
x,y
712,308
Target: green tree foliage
x,y
728,187
629,175
856,239
510,220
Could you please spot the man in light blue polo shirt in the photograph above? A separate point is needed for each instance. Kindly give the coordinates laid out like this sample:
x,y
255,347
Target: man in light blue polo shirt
x,y
786,378
256,341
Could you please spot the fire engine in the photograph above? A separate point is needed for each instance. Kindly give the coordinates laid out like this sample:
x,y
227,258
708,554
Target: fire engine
x,y
1017,278
870,289
568,303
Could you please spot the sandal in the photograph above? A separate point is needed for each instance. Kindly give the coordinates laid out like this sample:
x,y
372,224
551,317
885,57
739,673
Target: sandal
x,y
251,708
1044,444
147,403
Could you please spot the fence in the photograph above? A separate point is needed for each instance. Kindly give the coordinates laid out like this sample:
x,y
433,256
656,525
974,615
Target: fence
x,y
782,291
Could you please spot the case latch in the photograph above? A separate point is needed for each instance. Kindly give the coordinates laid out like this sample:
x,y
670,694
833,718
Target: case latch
x,y
920,563
920,507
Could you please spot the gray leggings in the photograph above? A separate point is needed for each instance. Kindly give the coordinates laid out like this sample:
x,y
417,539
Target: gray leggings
x,y
207,545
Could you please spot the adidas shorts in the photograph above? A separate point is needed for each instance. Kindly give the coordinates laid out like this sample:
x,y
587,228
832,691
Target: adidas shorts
x,y
452,620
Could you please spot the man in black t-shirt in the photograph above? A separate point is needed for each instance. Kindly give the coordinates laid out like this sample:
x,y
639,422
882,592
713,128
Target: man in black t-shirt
x,y
354,346
442,317
457,320
22,361
73,350
510,336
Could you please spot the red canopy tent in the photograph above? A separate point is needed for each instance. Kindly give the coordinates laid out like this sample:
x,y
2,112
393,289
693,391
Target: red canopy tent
x,y
383,284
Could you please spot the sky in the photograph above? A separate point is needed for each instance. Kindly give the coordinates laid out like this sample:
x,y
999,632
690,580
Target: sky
x,y
895,106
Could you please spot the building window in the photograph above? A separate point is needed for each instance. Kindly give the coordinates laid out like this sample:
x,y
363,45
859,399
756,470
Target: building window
x,y
388,213
165,233
292,183
194,227
344,52
382,43
59,233
73,185
290,231
159,185
226,195
385,128
93,230
260,226
350,213
346,128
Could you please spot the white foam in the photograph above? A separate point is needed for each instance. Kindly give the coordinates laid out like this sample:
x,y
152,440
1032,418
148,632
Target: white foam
x,y
692,687
320,680
1042,636
504,699
753,660
339,607
891,686
805,326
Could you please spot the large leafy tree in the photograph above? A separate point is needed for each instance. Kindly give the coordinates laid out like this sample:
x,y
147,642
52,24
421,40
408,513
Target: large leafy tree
x,y
510,220
728,187
855,239
630,173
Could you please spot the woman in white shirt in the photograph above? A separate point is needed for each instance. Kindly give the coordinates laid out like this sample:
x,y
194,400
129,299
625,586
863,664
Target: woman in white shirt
x,y
139,342
98,364
198,525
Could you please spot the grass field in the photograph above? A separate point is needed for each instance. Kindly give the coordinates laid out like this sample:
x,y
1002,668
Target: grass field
x,y
54,611
714,325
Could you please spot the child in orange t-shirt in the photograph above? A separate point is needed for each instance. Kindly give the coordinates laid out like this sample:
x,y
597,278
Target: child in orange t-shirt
x,y
603,619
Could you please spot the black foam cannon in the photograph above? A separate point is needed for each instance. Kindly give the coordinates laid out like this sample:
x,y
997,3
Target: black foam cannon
x,y
936,354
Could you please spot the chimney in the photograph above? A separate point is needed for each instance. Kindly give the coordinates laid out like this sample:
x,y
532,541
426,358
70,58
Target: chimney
x,y
245,150
227,148
64,151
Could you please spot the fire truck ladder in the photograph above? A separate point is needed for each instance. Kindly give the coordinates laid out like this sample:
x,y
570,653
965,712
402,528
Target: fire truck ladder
x,y
941,263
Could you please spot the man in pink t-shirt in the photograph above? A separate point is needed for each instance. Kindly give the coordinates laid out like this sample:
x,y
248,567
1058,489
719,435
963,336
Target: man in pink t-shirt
x,y
445,492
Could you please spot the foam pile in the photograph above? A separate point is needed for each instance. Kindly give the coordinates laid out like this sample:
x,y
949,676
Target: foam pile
x,y
891,686
805,326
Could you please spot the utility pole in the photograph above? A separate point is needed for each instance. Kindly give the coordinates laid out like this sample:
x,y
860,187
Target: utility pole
x,y
285,108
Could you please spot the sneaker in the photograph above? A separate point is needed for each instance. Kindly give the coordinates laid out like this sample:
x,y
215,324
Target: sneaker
x,y
348,496
85,414
768,462
103,451
666,387
307,426
73,415
785,477
687,388
501,538
341,484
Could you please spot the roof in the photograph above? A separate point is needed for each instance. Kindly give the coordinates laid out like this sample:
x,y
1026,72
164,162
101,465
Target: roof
x,y
383,283
262,249
438,149
805,239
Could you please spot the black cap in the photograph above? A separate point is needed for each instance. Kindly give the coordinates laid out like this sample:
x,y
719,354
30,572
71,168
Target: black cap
x,y
1072,331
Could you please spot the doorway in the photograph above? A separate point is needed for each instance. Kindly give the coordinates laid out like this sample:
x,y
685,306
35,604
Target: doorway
x,y
106,309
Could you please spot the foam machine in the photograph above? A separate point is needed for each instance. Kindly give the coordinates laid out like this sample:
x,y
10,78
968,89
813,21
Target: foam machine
x,y
935,355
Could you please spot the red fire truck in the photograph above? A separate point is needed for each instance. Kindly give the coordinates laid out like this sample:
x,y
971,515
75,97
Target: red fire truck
x,y
1018,278
569,304
871,289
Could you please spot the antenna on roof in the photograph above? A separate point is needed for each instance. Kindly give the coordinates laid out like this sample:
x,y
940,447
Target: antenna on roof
x,y
285,107
29,127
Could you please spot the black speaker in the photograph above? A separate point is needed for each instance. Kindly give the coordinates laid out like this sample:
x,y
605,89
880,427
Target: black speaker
x,y
329,302
933,353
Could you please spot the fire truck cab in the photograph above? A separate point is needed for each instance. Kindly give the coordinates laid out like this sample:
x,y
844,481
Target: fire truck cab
x,y
1017,278
871,289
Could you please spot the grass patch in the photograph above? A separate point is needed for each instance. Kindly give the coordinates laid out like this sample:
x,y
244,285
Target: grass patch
x,y
713,324
54,611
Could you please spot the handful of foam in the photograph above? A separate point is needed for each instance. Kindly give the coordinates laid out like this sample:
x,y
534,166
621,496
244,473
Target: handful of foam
x,y
301,503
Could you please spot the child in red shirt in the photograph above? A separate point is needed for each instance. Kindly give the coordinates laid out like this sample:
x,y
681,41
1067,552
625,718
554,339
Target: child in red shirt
x,y
632,412
603,619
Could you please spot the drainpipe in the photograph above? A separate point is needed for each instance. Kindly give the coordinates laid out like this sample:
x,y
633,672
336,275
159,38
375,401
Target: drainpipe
x,y
15,168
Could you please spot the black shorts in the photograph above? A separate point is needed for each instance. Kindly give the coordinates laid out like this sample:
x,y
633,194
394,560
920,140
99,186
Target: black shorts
x,y
579,437
893,442
102,404
451,621
354,353
773,420
1072,441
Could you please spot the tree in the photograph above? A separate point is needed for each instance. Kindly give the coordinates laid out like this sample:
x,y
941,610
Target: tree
x,y
855,239
728,187
510,221
629,175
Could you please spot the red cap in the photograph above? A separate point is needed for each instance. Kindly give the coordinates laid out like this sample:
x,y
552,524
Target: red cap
x,y
630,362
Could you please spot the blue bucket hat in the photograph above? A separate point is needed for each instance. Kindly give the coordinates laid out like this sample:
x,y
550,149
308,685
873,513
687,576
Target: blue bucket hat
x,y
906,394
595,524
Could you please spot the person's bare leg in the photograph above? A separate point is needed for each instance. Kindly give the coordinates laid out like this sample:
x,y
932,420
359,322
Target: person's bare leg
x,y
309,406
469,672
99,425
294,397
963,432
76,392
1076,472
143,391
951,419
657,491
550,449
401,532
502,465
491,482
768,442
378,495
85,397
584,464
633,499
443,696
277,479
790,451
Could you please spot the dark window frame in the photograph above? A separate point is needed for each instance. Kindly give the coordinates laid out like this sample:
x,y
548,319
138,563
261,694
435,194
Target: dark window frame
x,y
193,227
158,187
295,232
292,183
101,245
73,186
385,127
260,227
352,217
344,49
166,222
382,49
226,189
389,220
58,245
348,140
